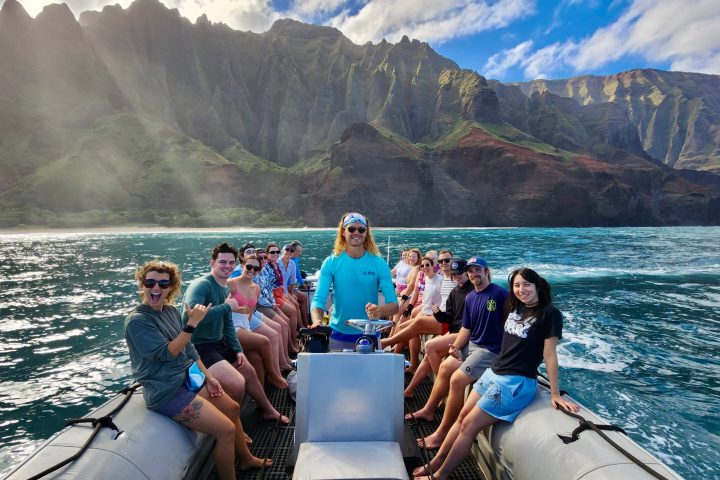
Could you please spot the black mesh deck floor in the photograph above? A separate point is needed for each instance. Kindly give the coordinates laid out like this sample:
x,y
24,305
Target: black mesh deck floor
x,y
276,441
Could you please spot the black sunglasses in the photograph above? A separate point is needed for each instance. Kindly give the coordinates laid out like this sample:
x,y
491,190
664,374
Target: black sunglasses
x,y
273,252
354,229
426,265
250,268
290,250
262,257
151,282
445,260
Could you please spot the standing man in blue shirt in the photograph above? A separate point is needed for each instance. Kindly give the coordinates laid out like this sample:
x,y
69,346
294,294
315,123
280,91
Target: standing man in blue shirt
x,y
356,272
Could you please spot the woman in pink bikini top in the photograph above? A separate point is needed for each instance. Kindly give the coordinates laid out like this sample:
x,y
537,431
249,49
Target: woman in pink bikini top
x,y
246,292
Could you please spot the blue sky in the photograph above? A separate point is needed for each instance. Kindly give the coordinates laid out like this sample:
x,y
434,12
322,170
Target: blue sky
x,y
509,40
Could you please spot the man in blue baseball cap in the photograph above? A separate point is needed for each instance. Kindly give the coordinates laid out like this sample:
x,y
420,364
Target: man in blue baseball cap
x,y
475,347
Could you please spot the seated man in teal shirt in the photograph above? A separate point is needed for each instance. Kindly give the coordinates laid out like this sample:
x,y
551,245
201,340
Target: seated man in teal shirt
x,y
356,272
215,338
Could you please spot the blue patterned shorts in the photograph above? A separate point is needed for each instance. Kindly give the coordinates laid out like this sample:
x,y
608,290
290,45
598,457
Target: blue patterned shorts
x,y
504,396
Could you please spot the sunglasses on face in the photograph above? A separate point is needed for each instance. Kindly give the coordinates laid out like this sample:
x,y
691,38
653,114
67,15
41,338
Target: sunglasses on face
x,y
426,265
251,268
356,229
151,282
273,252
445,260
290,250
262,257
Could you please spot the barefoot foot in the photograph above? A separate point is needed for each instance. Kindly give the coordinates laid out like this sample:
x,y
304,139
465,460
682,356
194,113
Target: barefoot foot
x,y
278,382
431,441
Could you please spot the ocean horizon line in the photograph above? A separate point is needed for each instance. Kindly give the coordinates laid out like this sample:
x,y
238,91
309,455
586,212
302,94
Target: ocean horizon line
x,y
159,229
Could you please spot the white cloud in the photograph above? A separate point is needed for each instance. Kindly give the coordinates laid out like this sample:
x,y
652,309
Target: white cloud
x,y
538,64
317,8
33,7
501,62
709,63
671,31
428,20
254,15
542,63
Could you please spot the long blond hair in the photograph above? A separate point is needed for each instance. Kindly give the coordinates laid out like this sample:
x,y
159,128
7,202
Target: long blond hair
x,y
341,244
161,267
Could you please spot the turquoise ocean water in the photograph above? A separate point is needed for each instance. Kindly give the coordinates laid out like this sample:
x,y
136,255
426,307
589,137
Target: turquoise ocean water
x,y
641,342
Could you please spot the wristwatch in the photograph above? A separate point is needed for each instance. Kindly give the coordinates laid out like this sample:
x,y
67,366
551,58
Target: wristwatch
x,y
405,297
188,329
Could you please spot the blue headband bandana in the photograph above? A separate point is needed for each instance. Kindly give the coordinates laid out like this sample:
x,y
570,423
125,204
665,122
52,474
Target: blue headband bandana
x,y
354,218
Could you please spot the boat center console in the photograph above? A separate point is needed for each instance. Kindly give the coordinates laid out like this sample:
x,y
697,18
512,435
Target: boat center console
x,y
349,414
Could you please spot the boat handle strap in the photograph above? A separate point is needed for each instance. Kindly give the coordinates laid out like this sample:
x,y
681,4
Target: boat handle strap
x,y
585,425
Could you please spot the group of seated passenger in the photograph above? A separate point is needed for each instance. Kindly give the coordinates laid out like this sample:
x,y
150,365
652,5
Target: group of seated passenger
x,y
423,285
482,334
237,329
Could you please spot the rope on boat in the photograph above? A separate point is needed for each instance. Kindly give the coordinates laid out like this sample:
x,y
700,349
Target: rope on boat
x,y
98,424
585,425
588,425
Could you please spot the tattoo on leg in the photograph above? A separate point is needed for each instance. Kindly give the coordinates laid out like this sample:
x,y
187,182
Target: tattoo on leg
x,y
189,413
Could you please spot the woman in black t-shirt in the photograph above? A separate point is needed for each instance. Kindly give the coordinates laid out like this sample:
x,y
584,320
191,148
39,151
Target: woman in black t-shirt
x,y
531,333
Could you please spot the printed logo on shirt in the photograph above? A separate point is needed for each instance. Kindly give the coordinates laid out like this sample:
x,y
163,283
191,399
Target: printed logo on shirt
x,y
491,305
369,273
514,326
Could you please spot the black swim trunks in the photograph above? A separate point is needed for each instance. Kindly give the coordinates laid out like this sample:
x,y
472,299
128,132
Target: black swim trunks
x,y
214,352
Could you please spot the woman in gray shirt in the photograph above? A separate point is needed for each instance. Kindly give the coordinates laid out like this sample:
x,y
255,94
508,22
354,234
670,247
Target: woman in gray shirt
x,y
161,357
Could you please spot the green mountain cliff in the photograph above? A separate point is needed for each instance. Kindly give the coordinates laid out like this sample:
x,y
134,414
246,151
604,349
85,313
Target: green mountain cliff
x,y
138,115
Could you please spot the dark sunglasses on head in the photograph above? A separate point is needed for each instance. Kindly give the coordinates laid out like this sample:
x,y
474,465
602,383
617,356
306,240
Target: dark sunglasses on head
x,y
445,260
250,268
273,252
150,283
249,251
354,229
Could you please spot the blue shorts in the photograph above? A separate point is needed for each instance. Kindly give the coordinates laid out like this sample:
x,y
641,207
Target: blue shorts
x,y
182,398
504,396
256,321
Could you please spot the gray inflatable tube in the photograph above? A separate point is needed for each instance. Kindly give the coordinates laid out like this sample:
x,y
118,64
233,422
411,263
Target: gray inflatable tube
x,y
151,446
530,448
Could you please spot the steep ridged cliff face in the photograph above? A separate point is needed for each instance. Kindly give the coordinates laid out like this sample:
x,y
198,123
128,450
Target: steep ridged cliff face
x,y
279,94
298,124
676,114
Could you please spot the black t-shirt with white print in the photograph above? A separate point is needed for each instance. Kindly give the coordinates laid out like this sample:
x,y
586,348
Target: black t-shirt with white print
x,y
523,340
